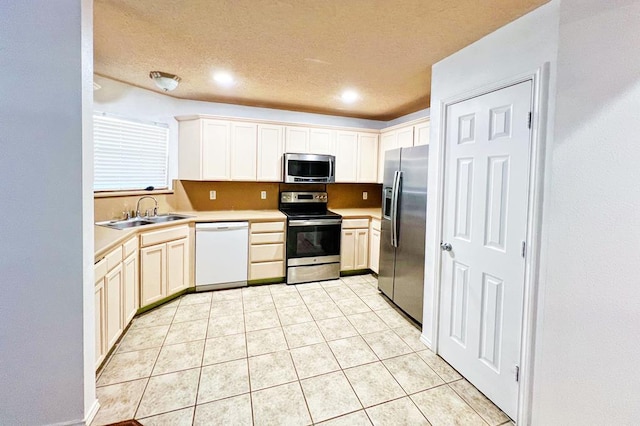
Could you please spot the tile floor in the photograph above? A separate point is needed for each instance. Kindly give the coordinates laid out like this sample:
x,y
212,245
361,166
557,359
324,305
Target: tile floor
x,y
330,353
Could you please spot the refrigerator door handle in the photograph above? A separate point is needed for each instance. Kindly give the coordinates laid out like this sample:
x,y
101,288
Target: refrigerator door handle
x,y
394,208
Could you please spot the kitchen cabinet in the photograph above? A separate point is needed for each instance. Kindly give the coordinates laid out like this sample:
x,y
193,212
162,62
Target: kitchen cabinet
x,y
270,150
404,137
244,151
113,304
374,245
99,272
354,244
266,252
164,263
216,149
131,282
356,157
297,139
322,141
421,133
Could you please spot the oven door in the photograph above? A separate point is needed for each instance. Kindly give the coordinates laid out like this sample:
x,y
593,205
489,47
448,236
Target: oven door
x,y
312,242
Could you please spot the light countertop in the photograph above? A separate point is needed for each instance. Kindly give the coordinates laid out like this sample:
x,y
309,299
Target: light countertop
x,y
374,213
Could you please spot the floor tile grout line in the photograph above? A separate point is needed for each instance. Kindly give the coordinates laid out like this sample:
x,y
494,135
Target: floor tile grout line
x,y
246,346
471,406
204,351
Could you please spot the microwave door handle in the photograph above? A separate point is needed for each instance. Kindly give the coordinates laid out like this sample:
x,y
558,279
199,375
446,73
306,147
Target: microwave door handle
x,y
330,170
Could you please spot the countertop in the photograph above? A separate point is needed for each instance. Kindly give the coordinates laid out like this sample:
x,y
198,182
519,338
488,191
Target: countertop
x,y
106,239
374,213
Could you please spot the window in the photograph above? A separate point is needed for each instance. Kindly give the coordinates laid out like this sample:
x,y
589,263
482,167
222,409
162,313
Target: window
x,y
129,155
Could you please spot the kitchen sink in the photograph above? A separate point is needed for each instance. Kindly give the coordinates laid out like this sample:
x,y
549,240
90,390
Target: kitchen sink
x,y
136,221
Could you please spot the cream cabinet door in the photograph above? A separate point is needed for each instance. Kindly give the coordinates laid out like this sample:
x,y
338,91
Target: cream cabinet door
x,y
177,265
270,150
421,133
99,301
130,294
346,156
362,249
113,306
244,146
297,140
388,141
374,250
367,158
348,250
216,145
153,274
322,141
405,137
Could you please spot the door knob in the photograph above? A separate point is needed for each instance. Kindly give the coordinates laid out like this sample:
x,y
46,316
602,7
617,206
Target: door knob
x,y
446,246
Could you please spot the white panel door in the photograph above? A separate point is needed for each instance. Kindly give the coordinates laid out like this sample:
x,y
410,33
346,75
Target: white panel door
x,y
322,141
405,137
270,150
216,153
244,146
297,140
421,133
388,141
485,221
346,156
367,157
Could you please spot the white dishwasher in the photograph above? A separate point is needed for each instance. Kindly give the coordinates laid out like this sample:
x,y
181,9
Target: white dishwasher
x,y
222,255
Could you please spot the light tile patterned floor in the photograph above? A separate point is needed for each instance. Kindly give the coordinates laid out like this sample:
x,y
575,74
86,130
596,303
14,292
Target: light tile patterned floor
x,y
330,353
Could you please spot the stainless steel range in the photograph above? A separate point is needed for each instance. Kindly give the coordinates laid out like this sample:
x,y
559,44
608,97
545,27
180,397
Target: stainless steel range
x,y
313,237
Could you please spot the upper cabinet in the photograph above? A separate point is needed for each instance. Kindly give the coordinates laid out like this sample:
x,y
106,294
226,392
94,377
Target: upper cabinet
x,y
219,149
356,157
402,136
270,150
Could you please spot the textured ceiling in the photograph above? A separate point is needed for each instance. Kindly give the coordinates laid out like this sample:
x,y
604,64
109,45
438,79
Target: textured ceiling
x,y
295,54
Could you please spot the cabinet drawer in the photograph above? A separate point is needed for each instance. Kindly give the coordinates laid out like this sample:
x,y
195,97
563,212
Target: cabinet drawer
x,y
164,235
272,238
130,246
267,226
100,270
113,258
355,223
375,224
259,271
267,252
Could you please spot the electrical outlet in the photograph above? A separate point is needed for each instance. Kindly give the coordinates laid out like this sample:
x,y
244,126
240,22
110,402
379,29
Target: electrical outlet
x,y
212,195
365,195
263,195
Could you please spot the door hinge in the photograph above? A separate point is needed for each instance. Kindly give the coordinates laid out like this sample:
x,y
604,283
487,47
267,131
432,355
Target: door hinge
x,y
517,373
530,119
524,248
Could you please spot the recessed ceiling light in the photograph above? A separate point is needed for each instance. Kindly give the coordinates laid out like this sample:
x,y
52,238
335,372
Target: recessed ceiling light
x,y
349,96
224,79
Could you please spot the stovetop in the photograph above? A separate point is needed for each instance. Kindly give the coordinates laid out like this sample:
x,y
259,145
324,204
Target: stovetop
x,y
304,215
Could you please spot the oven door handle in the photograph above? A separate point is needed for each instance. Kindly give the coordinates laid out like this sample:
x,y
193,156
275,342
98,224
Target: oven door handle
x,y
321,222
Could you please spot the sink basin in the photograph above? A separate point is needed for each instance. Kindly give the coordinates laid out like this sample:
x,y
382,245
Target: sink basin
x,y
167,218
136,221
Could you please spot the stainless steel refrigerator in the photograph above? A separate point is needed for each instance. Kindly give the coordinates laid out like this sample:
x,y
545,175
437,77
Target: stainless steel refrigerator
x,y
404,215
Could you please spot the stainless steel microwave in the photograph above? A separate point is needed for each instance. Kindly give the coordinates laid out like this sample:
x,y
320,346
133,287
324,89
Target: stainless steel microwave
x,y
309,168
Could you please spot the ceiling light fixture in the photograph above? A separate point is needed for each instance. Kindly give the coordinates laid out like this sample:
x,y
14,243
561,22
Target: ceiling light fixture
x,y
349,96
224,79
165,81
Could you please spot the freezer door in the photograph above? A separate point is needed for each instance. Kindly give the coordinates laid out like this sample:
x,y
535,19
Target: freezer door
x,y
387,251
409,271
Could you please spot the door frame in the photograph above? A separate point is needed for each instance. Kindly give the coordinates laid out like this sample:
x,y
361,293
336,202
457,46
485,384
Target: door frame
x,y
539,106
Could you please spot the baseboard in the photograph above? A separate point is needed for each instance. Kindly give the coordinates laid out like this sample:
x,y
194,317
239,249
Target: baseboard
x,y
426,341
92,412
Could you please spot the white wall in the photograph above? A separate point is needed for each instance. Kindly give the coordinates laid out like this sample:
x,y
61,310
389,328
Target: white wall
x,y
46,331
520,47
588,345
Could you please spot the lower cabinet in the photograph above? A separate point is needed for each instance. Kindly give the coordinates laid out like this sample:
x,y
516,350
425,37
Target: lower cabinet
x,y
354,249
374,245
164,263
131,292
100,271
113,311
266,252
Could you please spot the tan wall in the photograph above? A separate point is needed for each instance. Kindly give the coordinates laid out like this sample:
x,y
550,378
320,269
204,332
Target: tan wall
x,y
194,196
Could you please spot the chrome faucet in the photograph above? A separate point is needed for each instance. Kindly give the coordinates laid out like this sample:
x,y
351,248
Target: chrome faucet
x,y
155,208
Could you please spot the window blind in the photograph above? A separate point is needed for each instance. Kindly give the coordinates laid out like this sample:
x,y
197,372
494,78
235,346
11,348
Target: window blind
x,y
129,155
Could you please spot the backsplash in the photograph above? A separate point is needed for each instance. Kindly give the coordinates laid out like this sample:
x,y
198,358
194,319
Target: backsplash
x,y
195,196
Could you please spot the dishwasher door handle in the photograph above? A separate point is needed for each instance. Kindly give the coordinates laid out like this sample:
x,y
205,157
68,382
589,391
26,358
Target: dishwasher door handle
x,y
213,227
